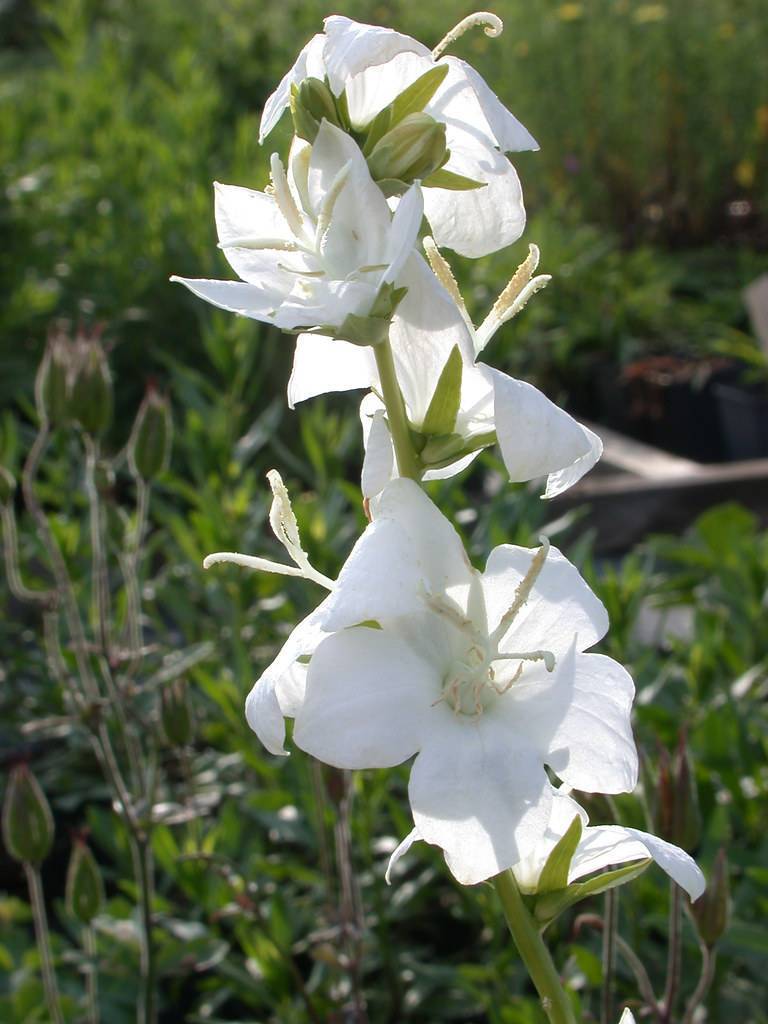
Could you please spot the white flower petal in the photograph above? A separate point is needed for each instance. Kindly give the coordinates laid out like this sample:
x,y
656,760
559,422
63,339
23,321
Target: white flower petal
x,y
480,797
561,605
309,64
604,845
509,133
436,550
374,88
455,467
400,852
317,302
379,458
245,213
259,302
564,478
480,221
626,1017
528,870
536,437
322,365
263,710
367,702
578,718
403,232
352,46
424,330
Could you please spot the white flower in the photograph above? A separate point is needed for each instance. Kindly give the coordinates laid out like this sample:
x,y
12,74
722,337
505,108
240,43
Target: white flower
x,y
536,437
371,66
482,675
317,247
600,846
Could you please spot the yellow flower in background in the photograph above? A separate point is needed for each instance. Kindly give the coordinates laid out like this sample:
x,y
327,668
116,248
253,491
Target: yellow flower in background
x,y
745,173
761,121
570,12
727,30
650,12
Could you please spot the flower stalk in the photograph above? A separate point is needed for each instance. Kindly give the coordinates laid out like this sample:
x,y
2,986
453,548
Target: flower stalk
x,y
407,461
533,951
42,934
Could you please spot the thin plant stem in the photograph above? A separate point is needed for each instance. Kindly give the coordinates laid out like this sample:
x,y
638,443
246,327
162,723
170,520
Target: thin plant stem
x,y
674,954
349,902
533,951
610,933
708,964
632,959
12,568
40,918
92,975
320,803
146,1010
407,462
100,577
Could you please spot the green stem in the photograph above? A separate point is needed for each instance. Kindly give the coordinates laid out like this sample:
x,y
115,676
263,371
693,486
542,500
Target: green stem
x,y
147,1011
674,955
92,976
407,461
50,986
533,951
610,929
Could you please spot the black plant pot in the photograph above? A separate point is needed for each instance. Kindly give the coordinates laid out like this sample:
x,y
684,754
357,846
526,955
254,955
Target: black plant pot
x,y
744,420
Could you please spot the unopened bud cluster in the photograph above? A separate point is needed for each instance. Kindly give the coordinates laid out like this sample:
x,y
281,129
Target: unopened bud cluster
x,y
74,383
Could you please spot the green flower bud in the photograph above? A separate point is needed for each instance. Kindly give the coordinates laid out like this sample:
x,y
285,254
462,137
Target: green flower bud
x,y
678,819
7,485
413,149
91,402
53,381
175,713
311,101
84,888
149,448
27,818
711,910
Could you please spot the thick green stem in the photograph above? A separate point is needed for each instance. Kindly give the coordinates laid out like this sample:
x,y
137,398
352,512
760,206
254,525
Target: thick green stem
x,y
50,986
407,462
533,951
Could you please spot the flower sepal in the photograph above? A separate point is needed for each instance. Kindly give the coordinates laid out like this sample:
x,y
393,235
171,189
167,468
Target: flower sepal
x,y
311,103
372,329
549,905
412,150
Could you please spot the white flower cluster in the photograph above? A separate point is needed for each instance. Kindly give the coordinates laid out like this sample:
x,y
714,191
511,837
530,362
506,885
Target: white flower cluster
x,y
485,677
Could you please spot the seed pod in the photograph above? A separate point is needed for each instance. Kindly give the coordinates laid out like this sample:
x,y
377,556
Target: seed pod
x,y
92,399
413,149
53,381
149,448
7,485
84,888
678,819
175,713
711,910
27,819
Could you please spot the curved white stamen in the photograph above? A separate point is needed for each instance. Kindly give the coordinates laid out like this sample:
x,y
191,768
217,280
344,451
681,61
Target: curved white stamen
x,y
329,201
491,24
523,591
249,242
442,271
251,562
546,656
283,197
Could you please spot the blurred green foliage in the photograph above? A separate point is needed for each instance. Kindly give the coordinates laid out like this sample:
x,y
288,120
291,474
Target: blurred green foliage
x,y
115,116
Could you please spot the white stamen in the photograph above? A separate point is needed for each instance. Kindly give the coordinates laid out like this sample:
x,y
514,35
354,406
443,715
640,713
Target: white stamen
x,y
285,201
546,656
442,271
251,562
518,291
492,25
329,201
249,242
523,591
286,529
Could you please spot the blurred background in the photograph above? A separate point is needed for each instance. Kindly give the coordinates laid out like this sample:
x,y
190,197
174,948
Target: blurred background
x,y
649,201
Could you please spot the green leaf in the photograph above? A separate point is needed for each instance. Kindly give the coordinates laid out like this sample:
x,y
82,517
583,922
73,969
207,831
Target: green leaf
x,y
554,875
549,906
455,182
444,404
410,101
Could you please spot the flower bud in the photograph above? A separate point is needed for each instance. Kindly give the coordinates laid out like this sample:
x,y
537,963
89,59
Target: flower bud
x,y
84,888
53,380
678,819
175,713
27,818
7,485
311,101
413,149
711,910
149,448
91,401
